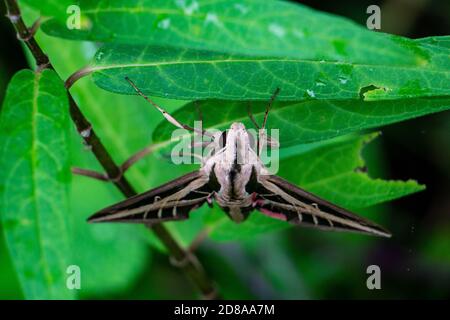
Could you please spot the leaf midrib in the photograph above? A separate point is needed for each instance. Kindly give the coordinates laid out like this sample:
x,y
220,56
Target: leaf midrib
x,y
33,160
252,60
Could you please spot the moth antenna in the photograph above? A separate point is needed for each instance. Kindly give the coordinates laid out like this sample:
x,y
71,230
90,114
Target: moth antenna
x,y
199,110
272,99
166,115
250,115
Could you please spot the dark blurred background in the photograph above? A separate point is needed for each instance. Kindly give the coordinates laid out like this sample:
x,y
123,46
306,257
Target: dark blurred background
x,y
415,263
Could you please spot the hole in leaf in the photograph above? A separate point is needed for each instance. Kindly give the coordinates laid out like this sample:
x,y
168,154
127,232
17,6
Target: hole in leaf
x,y
364,92
366,89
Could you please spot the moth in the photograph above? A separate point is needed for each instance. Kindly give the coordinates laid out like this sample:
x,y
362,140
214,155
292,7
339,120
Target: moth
x,y
234,177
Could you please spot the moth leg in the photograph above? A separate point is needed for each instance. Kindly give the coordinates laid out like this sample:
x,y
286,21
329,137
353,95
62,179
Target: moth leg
x,y
209,198
316,207
165,114
157,198
272,214
202,192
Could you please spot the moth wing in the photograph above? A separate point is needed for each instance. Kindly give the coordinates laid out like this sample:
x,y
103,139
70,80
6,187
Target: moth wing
x,y
282,200
170,201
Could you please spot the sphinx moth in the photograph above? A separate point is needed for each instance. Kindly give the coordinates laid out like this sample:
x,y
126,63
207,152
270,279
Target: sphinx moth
x,y
233,176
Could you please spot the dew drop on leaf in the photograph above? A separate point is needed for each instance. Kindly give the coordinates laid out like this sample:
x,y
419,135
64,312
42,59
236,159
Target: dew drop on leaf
x,y
343,80
100,55
311,93
164,24
213,19
240,7
188,9
277,30
320,83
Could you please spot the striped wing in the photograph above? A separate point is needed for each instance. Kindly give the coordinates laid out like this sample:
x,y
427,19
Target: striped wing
x,y
171,201
280,199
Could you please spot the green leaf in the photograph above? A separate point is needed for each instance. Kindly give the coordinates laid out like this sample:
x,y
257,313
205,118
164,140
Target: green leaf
x,y
52,8
329,171
34,182
314,120
319,56
239,26
120,251
442,41
187,74
335,172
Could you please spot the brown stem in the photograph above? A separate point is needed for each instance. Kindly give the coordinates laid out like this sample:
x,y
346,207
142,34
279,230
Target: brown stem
x,y
191,266
24,34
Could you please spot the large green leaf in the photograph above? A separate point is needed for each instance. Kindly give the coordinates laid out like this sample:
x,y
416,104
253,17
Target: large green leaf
x,y
52,8
274,28
329,171
443,41
187,74
336,172
319,55
34,182
305,122
120,253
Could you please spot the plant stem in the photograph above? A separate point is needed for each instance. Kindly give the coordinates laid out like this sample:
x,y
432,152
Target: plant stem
x,y
24,34
185,260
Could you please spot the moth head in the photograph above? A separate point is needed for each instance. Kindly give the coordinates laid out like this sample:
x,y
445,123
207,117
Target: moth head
x,y
237,126
237,134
